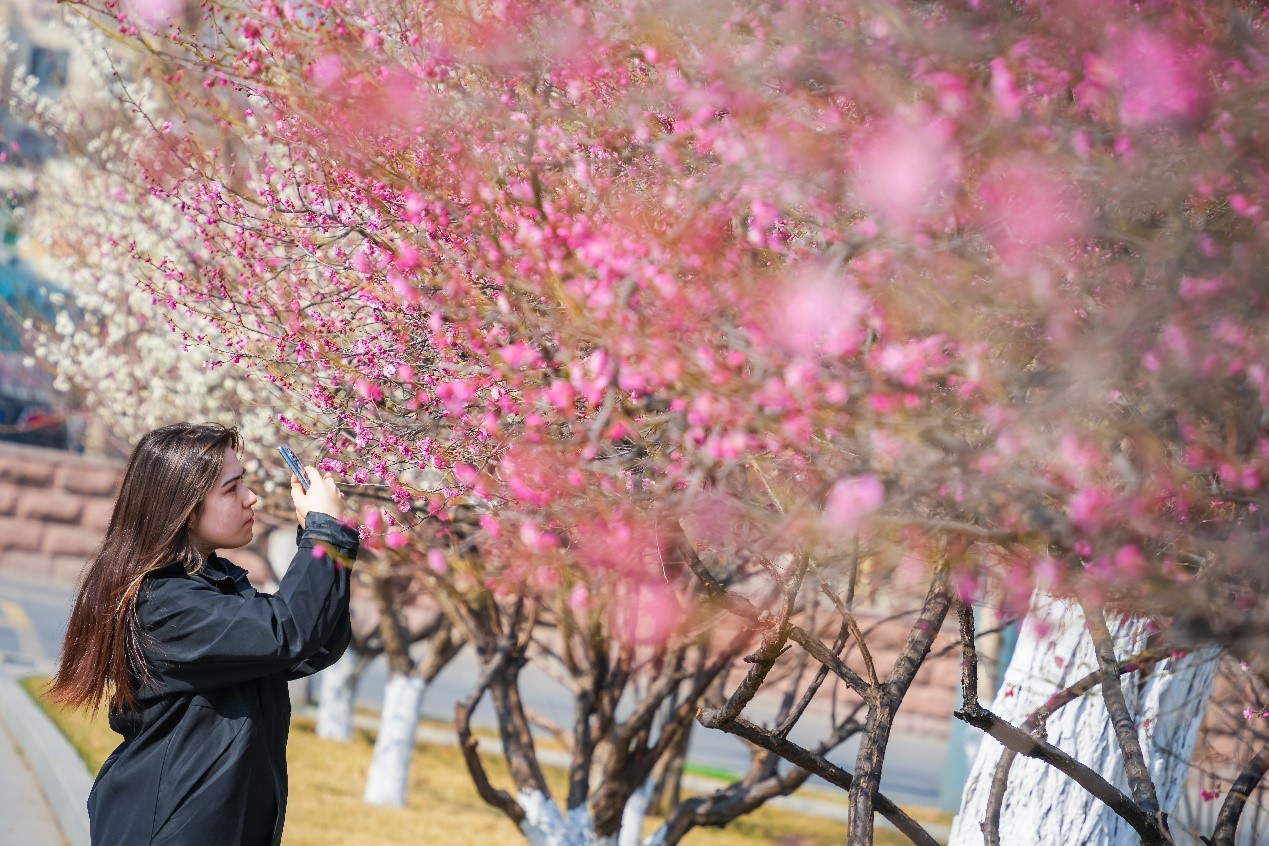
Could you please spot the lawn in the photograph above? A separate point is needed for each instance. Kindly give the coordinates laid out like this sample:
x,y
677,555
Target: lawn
x,y
443,809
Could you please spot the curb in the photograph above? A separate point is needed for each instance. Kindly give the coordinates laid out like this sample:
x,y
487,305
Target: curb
x,y
61,773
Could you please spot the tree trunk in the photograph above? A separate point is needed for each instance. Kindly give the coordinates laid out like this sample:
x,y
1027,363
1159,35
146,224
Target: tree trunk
x,y
634,813
544,825
337,686
1044,807
394,747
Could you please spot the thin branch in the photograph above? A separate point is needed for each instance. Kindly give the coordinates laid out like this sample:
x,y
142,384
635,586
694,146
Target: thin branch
x,y
820,766
1138,774
1012,737
1035,724
467,743
1239,792
882,710
743,608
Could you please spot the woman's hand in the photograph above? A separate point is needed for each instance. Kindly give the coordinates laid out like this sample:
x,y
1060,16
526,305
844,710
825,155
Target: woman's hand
x,y
323,495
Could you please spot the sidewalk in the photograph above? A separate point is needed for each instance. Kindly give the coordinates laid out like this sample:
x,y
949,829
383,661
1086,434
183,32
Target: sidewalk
x,y
25,816
43,782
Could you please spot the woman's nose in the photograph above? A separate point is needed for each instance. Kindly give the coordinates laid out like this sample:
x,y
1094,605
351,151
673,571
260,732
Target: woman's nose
x,y
252,499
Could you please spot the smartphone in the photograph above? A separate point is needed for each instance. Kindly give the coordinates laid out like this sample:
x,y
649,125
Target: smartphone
x,y
294,464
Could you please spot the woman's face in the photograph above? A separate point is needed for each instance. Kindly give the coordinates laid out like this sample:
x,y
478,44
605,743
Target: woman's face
x,y
226,520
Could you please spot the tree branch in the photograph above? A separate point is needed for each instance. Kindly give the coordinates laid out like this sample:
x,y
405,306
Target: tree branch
x,y
1239,792
882,710
818,765
467,743
1019,741
1139,780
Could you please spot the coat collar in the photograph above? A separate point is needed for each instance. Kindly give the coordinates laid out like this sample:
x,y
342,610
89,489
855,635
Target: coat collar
x,y
217,569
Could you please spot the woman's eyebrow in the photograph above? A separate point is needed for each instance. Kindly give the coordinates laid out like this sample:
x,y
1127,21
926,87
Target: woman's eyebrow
x,y
234,479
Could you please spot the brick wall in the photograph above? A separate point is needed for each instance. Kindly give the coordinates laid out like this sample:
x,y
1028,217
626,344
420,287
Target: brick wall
x,y
54,510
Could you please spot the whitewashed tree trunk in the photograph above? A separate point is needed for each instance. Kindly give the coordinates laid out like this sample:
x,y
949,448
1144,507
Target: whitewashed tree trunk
x,y
1044,807
544,825
337,685
394,747
634,812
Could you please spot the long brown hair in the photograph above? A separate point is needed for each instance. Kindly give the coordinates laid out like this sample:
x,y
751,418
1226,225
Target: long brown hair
x,y
170,472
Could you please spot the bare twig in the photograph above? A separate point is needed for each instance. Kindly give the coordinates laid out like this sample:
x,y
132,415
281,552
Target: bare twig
x,y
1035,724
1012,737
495,798
1239,792
817,764
882,709
1138,774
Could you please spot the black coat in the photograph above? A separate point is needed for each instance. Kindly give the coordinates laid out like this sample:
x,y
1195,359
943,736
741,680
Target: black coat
x,y
203,763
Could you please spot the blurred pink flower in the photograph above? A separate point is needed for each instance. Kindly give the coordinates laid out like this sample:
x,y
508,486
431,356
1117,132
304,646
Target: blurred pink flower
x,y
153,14
1157,81
1027,204
646,613
578,598
1088,508
533,537
327,71
819,311
905,171
1003,89
851,499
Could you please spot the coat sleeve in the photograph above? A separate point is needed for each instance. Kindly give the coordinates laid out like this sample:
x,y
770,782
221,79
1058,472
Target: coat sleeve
x,y
201,639
323,528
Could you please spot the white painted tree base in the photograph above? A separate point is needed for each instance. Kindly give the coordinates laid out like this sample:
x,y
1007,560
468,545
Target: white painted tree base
x,y
394,747
544,825
337,687
1043,807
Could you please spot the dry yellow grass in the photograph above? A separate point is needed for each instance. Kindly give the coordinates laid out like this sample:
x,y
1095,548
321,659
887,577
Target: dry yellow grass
x,y
327,778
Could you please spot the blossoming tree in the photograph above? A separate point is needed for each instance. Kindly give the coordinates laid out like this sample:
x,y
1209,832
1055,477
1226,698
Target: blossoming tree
x,y
682,315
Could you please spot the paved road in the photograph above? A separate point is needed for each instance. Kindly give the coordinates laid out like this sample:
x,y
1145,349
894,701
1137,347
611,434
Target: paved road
x,y
32,620
34,616
25,816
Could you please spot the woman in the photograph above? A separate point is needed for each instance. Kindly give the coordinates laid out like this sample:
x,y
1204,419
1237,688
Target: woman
x,y
190,660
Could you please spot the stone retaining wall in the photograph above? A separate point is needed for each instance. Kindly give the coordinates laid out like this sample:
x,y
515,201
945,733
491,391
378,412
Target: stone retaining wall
x,y
54,510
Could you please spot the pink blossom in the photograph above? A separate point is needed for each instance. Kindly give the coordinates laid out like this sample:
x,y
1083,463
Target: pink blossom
x,y
578,598
1129,563
561,394
852,499
819,311
327,70
436,561
407,258
1028,205
1088,508
908,363
646,613
396,540
1157,80
533,537
1003,89
905,171
519,355
153,14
